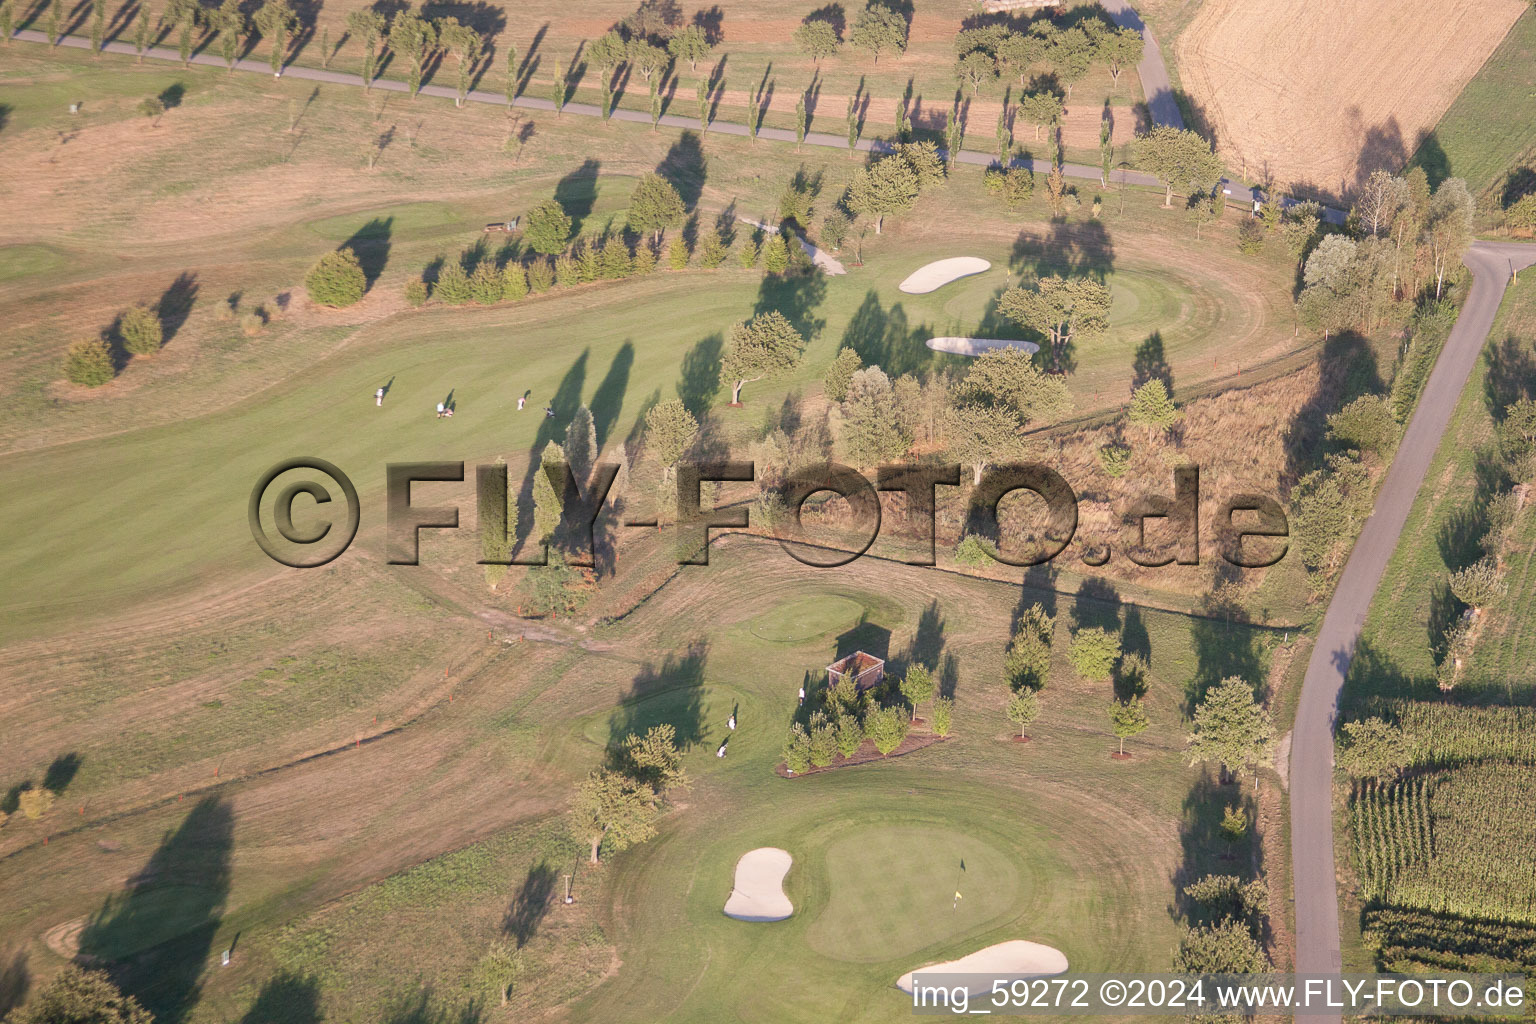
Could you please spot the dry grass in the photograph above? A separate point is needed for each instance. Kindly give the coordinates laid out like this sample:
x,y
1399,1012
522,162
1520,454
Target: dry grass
x,y
1321,96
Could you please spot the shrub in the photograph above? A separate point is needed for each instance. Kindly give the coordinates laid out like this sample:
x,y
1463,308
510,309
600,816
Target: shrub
x,y
711,251
1366,423
834,230
840,373
567,271
452,284
848,733
775,254
823,742
973,551
514,283
797,749
1479,583
1234,824
486,284
645,259
141,331
1115,457
416,292
253,323
1372,748
677,253
541,276
1014,186
613,262
1250,236
589,266
1093,653
88,362
943,713
337,279
34,803
887,727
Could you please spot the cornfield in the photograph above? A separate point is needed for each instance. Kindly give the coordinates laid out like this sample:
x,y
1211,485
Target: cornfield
x,y
1461,841
1406,939
1447,735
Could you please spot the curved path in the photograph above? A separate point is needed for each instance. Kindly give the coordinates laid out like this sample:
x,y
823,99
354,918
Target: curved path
x,y
1311,781
1155,83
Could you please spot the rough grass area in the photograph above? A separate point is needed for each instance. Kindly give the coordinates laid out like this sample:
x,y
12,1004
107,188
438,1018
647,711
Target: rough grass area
x,y
1491,128
1400,642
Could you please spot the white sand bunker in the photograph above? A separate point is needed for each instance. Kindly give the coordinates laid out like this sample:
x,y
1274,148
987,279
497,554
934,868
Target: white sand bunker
x,y
976,346
939,273
758,892
1012,958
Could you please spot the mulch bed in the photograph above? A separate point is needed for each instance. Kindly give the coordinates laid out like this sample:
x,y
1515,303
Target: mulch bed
x,y
1117,756
865,754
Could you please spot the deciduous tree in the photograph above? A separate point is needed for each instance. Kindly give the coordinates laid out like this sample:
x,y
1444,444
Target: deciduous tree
x,y
654,206
1181,158
887,186
763,346
872,432
980,435
367,25
1128,718
878,29
413,39
77,996
613,810
670,430
1093,653
464,45
1022,708
1373,749
1065,310
1231,728
690,44
277,22
1448,228
817,39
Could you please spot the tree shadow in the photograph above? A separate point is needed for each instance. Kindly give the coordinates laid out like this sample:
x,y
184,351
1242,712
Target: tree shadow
x,y
1097,605
1151,363
679,675
422,1008
699,376
157,936
1039,587
563,404
833,15
61,772
1225,645
797,295
926,648
869,637
882,337
608,399
1510,374
1206,850
286,998
15,981
530,904
176,304
712,20
577,193
1066,248
1347,369
1431,156
370,244
686,168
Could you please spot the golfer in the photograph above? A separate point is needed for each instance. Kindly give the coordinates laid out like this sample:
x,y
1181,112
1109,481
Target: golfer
x,y
378,397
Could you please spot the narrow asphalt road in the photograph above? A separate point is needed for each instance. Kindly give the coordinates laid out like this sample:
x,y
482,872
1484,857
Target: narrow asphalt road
x,y
1155,83
1311,782
165,53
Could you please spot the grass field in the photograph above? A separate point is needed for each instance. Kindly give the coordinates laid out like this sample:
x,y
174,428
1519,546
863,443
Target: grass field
x,y
1409,614
356,775
1487,132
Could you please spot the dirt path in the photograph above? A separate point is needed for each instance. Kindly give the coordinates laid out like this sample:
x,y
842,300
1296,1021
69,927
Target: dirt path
x,y
1311,760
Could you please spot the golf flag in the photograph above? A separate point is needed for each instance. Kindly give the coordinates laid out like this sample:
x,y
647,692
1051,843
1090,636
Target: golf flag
x,y
957,894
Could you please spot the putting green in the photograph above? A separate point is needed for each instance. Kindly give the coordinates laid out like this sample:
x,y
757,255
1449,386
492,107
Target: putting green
x,y
807,618
892,891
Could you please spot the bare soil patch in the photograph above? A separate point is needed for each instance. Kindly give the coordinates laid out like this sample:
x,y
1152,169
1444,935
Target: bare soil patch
x,y
1319,96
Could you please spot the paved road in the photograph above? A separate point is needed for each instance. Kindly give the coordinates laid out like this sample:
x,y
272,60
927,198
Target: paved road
x,y
164,53
1311,782
1154,73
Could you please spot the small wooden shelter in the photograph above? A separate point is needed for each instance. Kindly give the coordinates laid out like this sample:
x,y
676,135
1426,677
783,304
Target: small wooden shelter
x,y
865,670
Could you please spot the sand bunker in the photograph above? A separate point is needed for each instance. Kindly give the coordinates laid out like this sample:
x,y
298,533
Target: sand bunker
x,y
937,275
976,346
758,892
1006,959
